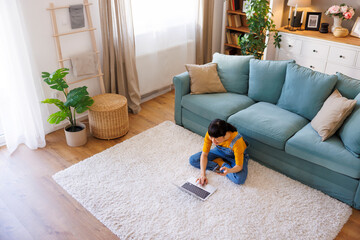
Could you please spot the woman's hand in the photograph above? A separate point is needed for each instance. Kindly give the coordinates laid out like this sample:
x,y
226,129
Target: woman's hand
x,y
224,171
202,180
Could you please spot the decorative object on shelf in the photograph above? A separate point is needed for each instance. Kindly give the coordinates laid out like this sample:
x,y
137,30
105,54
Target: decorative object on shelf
x,y
313,21
260,26
339,13
76,101
298,16
356,28
341,32
324,28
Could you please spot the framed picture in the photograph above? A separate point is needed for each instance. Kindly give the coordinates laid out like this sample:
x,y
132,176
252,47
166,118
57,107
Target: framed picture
x,y
356,28
313,21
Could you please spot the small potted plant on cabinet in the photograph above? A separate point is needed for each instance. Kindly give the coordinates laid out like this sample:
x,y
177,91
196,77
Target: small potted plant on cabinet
x,y
76,101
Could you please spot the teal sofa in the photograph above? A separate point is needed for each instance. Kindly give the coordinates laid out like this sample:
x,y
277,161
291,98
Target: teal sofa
x,y
271,103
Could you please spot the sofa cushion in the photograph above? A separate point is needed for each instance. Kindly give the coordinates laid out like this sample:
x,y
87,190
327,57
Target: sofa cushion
x,y
233,72
305,90
266,79
350,130
216,105
204,78
267,123
331,154
332,114
348,87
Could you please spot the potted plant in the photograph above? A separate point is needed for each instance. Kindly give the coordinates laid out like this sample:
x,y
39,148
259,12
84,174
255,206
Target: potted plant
x,y
76,101
258,16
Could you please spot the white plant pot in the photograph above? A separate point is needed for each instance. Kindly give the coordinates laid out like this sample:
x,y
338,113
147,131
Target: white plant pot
x,y
76,139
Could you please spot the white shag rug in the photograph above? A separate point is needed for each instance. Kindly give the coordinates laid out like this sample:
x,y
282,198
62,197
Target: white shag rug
x,y
129,189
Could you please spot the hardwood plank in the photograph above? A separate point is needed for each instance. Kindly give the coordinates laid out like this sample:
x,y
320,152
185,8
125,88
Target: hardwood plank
x,y
10,227
33,206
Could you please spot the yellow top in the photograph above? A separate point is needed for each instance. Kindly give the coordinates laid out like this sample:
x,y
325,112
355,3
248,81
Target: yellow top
x,y
238,148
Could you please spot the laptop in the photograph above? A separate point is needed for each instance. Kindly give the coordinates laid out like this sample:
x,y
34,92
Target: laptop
x,y
197,190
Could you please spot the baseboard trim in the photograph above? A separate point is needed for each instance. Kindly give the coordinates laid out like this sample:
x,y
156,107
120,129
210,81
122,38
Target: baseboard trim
x,y
148,96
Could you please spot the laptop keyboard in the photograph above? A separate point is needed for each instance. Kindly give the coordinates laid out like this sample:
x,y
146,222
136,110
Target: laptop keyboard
x,y
196,190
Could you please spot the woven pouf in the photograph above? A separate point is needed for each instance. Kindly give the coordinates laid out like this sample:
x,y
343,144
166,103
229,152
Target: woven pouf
x,y
108,116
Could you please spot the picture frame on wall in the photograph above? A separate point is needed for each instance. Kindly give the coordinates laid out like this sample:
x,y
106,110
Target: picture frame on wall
x,y
313,20
356,28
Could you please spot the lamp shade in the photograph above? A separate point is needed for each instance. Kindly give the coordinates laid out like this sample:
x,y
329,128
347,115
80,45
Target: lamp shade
x,y
300,3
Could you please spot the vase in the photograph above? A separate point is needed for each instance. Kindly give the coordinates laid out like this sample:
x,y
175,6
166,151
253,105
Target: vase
x,y
337,23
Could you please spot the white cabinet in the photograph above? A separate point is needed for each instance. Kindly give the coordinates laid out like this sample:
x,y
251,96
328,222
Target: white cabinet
x,y
320,55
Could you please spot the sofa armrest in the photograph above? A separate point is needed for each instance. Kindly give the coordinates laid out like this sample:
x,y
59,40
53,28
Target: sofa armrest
x,y
182,87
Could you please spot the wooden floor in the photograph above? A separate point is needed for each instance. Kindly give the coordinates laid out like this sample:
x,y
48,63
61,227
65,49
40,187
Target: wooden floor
x,y
33,206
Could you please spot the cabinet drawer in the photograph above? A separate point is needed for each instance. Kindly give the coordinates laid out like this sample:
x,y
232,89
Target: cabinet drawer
x,y
291,45
284,55
342,56
332,68
313,49
313,64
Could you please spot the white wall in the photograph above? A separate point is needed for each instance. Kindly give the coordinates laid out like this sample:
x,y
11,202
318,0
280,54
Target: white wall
x,y
42,43
217,28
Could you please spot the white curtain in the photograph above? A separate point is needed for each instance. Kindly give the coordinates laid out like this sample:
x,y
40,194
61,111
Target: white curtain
x,y
164,39
19,104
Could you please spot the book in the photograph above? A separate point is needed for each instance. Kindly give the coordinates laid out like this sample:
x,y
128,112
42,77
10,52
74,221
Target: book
x,y
230,24
228,37
237,5
237,21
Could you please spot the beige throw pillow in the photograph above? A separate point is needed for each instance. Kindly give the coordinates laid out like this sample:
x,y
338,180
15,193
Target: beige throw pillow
x,y
204,79
332,114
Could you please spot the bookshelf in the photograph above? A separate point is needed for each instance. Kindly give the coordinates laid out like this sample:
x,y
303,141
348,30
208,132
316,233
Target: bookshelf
x,y
236,26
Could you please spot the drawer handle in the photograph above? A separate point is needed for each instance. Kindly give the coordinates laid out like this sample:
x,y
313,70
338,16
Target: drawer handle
x,y
290,45
315,51
341,56
312,67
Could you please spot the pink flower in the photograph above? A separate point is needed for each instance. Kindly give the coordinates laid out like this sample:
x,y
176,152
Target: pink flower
x,y
347,15
334,9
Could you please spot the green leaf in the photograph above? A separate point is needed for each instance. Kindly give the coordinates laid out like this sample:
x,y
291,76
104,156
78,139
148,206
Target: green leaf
x,y
75,96
260,23
57,117
84,104
79,99
56,79
57,102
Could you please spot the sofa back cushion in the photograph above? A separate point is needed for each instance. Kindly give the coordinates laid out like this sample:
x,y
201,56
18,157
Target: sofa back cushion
x,y
350,130
266,79
204,79
305,90
233,72
347,86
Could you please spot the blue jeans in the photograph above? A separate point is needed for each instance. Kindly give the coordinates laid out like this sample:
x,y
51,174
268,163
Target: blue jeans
x,y
228,156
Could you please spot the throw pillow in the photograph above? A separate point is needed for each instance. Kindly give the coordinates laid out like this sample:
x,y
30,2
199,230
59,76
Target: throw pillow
x,y
332,114
266,79
233,72
350,130
204,79
305,90
348,87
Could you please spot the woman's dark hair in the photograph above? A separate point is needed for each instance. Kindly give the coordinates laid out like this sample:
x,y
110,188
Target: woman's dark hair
x,y
218,128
